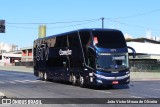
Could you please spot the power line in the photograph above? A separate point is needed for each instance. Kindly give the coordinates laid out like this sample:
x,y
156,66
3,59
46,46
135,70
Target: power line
x,y
138,15
128,24
82,22
52,23
85,22
137,26
22,27
74,24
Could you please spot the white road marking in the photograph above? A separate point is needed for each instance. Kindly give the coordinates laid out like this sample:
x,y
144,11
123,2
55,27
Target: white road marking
x,y
154,89
102,91
2,82
24,81
10,82
29,81
136,96
21,81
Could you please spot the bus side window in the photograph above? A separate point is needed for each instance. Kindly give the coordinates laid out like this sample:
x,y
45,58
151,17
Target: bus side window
x,y
61,41
91,58
76,60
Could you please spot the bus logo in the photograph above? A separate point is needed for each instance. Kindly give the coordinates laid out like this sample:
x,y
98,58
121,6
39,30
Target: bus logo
x,y
42,52
65,52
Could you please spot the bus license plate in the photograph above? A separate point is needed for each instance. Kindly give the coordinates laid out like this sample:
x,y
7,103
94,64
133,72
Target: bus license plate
x,y
115,82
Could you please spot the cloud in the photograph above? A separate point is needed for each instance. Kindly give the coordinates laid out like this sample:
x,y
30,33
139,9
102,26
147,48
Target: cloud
x,y
127,36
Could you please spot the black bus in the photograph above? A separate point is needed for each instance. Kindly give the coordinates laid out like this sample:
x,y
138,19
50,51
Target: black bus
x,y
83,57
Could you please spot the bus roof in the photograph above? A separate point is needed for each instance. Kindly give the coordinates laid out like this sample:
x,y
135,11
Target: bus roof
x,y
80,30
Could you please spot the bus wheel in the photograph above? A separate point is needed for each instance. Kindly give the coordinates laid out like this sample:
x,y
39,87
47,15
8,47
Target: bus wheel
x,y
81,81
45,76
73,79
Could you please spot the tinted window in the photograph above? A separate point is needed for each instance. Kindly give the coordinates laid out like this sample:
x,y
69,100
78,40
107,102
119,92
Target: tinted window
x,y
85,39
61,41
55,62
74,40
109,39
76,58
88,53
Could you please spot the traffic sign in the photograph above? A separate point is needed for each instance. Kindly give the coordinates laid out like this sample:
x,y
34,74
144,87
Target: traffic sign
x,y
2,26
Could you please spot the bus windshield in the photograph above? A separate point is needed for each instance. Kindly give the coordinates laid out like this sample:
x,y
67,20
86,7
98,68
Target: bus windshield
x,y
112,61
108,39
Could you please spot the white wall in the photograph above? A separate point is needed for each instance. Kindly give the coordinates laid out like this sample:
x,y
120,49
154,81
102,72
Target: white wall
x,y
147,48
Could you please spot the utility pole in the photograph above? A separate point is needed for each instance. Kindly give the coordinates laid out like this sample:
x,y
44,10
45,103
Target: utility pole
x,y
102,22
42,31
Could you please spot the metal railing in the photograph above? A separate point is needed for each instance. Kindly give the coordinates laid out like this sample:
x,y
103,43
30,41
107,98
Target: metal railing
x,y
145,66
27,64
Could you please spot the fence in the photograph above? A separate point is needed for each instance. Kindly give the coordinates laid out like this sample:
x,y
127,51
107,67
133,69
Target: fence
x,y
136,65
27,64
145,65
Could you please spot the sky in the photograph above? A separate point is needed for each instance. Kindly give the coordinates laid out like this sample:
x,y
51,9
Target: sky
x,y
23,17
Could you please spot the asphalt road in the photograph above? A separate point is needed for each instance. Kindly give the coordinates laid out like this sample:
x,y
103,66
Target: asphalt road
x,y
25,85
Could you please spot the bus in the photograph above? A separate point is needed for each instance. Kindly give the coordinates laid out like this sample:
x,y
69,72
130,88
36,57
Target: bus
x,y
94,57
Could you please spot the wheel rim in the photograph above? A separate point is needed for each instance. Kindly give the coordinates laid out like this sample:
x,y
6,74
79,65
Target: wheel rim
x,y
81,81
40,75
45,76
73,79
70,78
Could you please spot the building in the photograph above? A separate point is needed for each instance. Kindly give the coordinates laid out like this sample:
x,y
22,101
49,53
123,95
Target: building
x,y
5,47
9,54
10,58
26,57
27,54
147,53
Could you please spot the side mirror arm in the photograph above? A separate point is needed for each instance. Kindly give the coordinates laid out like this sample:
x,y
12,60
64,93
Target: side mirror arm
x,y
133,50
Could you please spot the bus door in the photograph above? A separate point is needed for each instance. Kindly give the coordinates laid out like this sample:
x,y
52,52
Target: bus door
x,y
65,70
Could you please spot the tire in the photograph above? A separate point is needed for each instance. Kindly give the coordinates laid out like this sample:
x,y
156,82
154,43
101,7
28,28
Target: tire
x,y
110,86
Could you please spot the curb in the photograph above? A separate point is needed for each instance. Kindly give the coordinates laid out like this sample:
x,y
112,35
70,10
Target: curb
x,y
134,76
16,68
147,79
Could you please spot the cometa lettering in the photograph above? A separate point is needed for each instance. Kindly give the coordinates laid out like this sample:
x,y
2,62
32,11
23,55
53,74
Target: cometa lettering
x,y
65,52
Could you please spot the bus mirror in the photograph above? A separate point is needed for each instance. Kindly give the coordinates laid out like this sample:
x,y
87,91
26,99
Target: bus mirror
x,y
133,50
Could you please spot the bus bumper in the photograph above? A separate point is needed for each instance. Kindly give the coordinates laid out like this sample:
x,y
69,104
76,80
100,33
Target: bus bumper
x,y
114,80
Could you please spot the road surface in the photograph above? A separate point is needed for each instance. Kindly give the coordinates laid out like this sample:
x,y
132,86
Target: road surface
x,y
25,85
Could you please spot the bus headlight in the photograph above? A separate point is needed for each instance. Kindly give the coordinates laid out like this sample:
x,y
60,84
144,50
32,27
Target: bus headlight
x,y
99,81
127,72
